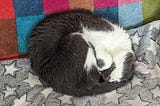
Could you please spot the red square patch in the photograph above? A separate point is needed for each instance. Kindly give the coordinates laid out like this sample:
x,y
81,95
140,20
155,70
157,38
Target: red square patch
x,y
8,37
6,9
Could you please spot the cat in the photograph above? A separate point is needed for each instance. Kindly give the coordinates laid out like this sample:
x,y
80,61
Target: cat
x,y
80,54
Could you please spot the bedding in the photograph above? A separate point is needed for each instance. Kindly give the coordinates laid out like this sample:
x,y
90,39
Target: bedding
x,y
19,86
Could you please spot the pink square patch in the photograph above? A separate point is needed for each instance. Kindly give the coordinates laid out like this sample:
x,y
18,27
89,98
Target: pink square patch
x,y
53,6
104,3
120,2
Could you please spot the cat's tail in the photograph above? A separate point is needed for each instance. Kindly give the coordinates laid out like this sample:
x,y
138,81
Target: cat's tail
x,y
93,83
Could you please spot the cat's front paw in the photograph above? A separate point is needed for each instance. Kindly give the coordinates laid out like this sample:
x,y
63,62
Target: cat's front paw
x,y
104,59
115,79
103,65
115,76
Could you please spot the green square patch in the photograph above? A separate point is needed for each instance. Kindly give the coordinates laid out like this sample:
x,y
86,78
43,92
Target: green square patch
x,y
151,10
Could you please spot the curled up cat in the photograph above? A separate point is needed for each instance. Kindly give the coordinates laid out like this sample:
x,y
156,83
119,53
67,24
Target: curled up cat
x,y
80,54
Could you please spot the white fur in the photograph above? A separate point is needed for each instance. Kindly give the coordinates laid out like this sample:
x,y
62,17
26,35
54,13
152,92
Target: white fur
x,y
117,74
111,46
90,60
106,57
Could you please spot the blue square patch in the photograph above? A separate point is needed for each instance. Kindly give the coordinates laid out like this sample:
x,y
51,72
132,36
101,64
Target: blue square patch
x,y
24,27
110,13
130,15
28,7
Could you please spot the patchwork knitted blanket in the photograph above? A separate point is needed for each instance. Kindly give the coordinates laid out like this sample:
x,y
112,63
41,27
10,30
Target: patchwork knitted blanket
x,y
18,17
19,86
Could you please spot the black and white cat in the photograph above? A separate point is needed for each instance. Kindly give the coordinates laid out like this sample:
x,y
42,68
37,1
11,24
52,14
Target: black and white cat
x,y
79,54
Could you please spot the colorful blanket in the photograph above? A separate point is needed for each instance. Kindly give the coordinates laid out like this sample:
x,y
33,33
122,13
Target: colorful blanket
x,y
18,17
19,86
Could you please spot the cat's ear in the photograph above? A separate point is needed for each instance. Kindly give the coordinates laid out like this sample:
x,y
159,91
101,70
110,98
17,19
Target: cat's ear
x,y
141,67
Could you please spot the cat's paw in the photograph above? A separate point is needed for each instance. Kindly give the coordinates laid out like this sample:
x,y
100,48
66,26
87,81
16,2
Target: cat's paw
x,y
102,65
104,59
115,79
116,76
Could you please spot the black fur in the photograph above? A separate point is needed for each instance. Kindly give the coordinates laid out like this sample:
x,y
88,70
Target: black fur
x,y
58,57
